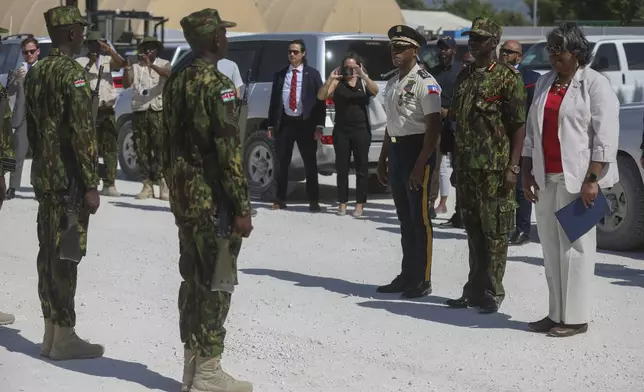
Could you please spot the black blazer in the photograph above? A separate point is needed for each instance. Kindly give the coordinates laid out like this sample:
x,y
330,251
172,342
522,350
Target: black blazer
x,y
313,110
529,80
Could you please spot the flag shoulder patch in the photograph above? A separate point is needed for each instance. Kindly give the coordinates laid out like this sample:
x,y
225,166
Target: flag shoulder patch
x,y
433,89
227,95
80,83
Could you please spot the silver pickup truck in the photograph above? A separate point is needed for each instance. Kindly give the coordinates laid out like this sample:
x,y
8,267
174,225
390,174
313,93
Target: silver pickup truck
x,y
623,228
263,55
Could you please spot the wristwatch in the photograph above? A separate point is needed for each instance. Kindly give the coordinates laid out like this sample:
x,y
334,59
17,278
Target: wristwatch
x,y
516,169
591,177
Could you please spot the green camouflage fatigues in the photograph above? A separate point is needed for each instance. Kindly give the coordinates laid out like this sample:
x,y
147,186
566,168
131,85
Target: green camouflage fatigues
x,y
488,106
64,144
6,135
201,147
107,139
147,135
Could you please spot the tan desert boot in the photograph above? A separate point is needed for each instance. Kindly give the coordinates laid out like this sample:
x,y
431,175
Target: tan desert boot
x,y
210,377
67,345
6,318
48,338
189,362
146,192
164,192
110,191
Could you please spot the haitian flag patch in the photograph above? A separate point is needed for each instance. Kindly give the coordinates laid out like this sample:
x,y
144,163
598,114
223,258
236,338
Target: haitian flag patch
x,y
79,83
433,89
227,95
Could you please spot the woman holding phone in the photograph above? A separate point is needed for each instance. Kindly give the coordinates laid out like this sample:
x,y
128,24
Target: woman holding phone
x,y
350,88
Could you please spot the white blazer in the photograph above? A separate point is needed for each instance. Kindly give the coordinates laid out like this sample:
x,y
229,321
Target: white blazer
x,y
588,129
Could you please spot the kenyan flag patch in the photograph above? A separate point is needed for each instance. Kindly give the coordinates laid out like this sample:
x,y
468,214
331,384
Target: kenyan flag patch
x,y
227,95
79,83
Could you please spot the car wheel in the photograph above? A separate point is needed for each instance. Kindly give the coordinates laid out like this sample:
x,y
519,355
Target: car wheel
x,y
375,187
127,155
623,228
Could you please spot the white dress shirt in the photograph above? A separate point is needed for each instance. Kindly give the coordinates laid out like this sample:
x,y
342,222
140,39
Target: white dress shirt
x,y
286,91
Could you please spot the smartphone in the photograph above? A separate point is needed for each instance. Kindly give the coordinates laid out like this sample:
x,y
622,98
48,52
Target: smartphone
x,y
347,71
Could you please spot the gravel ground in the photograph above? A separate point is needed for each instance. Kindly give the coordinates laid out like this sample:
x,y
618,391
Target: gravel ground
x,y
306,316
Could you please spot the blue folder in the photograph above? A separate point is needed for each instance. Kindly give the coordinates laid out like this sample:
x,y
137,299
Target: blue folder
x,y
576,220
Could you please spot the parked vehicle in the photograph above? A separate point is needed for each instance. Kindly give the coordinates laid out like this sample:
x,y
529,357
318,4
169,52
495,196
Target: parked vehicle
x,y
623,228
619,58
263,55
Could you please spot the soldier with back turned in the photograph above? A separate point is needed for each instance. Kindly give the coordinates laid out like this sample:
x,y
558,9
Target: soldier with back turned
x,y
6,152
208,196
63,142
489,108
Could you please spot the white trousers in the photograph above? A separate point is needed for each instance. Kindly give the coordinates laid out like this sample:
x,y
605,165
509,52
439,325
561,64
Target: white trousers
x,y
445,173
569,268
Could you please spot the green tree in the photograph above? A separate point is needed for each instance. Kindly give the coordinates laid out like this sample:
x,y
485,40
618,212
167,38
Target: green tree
x,y
510,18
411,4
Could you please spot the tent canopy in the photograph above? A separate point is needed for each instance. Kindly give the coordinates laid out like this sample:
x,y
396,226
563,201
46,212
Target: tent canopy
x,y
368,16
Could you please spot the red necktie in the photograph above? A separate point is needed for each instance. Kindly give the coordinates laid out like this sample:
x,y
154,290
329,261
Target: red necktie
x,y
292,98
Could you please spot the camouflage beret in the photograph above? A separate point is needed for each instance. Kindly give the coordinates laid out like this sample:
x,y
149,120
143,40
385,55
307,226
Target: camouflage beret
x,y
93,35
203,22
485,27
64,16
2,31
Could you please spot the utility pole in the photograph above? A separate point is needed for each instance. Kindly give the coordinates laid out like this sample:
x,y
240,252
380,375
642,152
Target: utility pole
x,y
534,13
91,6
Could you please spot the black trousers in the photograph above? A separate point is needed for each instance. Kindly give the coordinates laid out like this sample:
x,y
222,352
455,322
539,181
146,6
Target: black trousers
x,y
412,207
296,130
524,210
356,141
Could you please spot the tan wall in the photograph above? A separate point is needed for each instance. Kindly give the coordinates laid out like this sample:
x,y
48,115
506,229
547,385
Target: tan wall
x,y
369,16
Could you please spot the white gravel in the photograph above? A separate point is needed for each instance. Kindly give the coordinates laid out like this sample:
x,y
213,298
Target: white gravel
x,y
306,316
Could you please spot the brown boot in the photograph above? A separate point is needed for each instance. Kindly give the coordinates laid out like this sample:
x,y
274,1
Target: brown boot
x,y
67,345
210,377
147,191
6,318
189,362
47,339
164,192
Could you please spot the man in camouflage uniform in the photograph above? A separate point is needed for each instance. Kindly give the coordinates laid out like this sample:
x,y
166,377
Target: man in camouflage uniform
x,y
202,162
99,54
6,151
63,141
489,108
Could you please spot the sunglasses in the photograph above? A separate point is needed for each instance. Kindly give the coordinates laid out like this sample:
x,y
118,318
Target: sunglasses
x,y
508,52
29,52
295,52
555,49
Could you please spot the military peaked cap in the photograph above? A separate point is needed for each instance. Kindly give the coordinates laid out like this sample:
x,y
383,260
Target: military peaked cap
x,y
64,16
203,22
485,27
405,35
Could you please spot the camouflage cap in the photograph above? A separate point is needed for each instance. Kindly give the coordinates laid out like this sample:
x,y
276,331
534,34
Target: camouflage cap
x,y
93,35
2,31
203,22
64,16
485,27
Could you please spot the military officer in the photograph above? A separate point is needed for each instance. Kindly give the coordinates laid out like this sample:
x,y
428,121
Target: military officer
x,y
99,54
64,144
6,151
408,158
489,109
208,188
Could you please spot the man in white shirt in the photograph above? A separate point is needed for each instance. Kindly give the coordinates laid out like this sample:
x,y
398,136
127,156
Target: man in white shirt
x,y
147,78
101,54
231,70
15,88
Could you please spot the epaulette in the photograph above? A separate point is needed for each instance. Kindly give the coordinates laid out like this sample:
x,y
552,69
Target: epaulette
x,y
512,68
424,74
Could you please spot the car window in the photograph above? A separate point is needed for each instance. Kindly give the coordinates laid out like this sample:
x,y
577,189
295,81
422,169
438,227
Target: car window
x,y
429,54
375,54
274,58
634,55
606,58
245,55
536,58
4,53
45,47
14,56
168,53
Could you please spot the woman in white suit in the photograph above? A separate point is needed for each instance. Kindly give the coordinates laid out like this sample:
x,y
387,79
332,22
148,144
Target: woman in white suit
x,y
570,151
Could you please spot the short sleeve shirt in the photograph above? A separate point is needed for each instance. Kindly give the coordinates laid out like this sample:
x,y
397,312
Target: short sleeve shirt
x,y
408,100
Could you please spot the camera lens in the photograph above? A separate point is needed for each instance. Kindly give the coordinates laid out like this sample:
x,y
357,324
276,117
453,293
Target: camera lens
x,y
144,92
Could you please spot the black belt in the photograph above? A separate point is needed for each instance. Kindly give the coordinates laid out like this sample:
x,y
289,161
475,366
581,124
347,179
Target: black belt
x,y
407,138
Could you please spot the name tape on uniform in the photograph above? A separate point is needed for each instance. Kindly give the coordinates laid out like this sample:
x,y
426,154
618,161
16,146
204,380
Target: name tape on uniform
x,y
79,83
227,95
